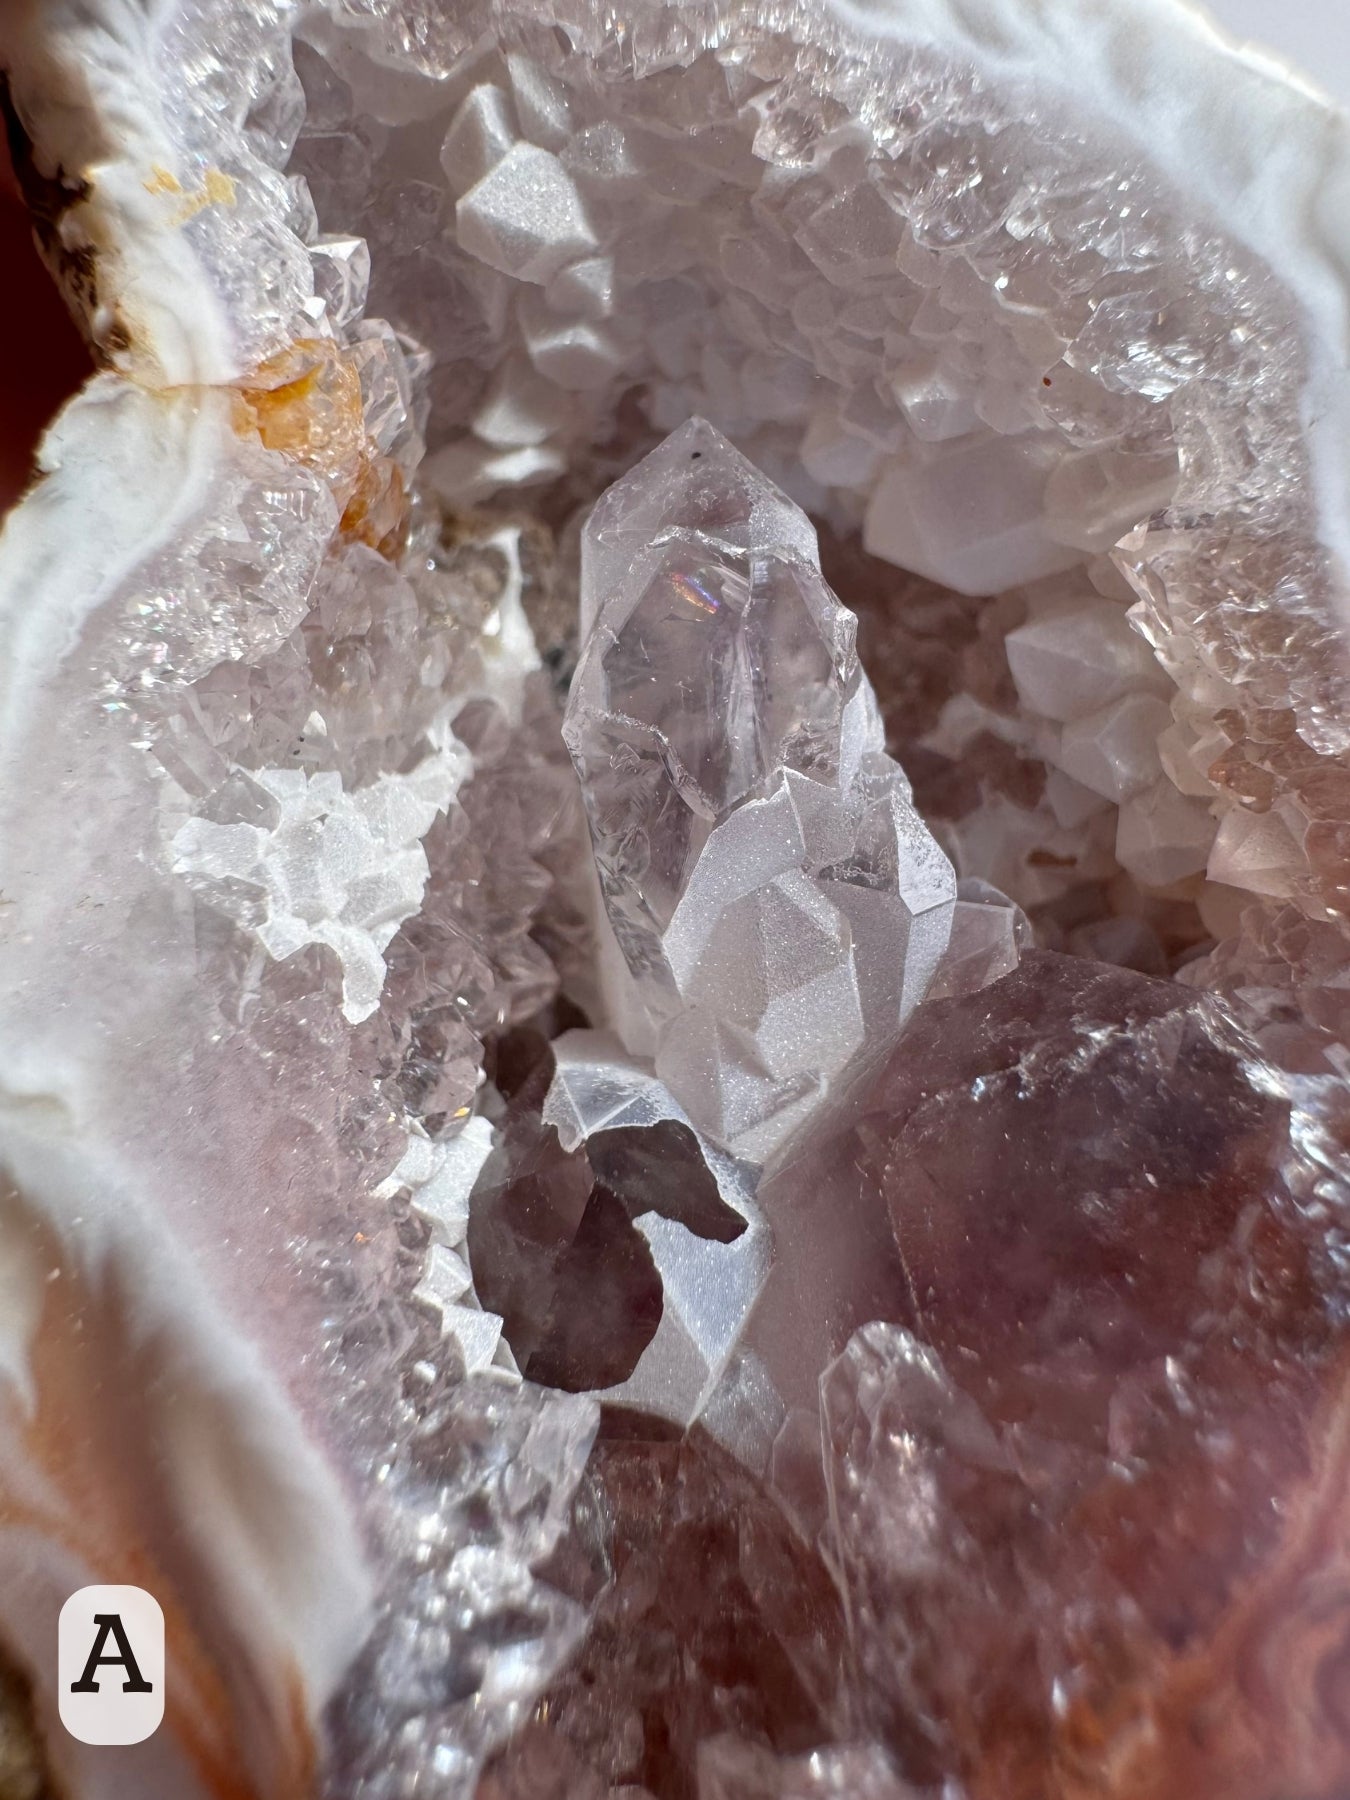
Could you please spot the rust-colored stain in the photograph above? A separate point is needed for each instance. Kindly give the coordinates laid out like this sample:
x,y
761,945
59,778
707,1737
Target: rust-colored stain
x,y
307,404
377,513
217,189
162,181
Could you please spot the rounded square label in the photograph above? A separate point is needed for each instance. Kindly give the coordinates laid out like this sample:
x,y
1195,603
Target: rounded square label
x,y
110,1665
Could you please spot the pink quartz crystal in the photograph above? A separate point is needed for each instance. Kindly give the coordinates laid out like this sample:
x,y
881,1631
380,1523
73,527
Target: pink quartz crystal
x,y
1095,1472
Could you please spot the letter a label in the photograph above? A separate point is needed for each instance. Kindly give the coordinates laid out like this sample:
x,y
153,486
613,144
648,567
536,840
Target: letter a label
x,y
110,1665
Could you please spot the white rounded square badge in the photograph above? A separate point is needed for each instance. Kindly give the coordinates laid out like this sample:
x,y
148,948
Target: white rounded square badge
x,y
110,1664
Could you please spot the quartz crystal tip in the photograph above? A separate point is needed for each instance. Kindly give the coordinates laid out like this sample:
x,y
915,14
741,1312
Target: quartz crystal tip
x,y
779,904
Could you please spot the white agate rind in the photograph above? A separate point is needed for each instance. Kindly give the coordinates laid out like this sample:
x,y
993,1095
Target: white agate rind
x,y
171,1278
143,1439
102,98
78,535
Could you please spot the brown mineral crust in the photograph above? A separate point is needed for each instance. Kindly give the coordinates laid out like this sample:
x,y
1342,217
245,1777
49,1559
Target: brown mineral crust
x,y
948,788
1132,1455
712,1616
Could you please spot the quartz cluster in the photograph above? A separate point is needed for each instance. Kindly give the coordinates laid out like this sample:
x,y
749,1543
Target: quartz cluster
x,y
556,1234
779,904
900,316
673,870
1091,1473
1076,1473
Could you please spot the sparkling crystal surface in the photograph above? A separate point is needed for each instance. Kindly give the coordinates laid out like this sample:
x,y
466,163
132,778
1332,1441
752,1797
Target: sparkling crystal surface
x,y
557,1243
742,1630
641,716
778,902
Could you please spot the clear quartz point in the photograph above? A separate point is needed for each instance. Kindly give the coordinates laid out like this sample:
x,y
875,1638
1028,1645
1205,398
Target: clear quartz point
x,y
779,904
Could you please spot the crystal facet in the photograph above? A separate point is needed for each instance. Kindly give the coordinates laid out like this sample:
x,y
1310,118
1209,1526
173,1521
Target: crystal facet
x,y
1068,1483
778,902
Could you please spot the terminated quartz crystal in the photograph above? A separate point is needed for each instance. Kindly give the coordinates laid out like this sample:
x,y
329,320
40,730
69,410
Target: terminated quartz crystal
x,y
778,902
1078,1465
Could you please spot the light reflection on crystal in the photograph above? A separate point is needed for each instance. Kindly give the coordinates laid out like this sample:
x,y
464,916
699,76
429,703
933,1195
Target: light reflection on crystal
x,y
778,902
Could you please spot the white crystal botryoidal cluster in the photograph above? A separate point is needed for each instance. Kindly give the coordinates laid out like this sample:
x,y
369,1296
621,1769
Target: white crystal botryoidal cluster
x,y
326,866
779,904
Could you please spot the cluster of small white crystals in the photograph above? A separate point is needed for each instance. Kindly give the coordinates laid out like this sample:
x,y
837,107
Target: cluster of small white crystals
x,y
1096,709
274,276
1083,670
1122,732
297,690
801,316
438,1177
329,866
385,868
779,903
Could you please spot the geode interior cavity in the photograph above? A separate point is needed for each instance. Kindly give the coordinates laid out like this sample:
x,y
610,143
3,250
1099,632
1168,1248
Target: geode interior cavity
x,y
674,849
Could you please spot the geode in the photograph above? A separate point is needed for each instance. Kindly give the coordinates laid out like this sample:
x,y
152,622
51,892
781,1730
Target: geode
x,y
675,795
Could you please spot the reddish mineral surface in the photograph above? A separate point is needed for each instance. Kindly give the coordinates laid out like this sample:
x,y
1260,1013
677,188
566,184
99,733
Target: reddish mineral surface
x,y
1091,1507
1087,1501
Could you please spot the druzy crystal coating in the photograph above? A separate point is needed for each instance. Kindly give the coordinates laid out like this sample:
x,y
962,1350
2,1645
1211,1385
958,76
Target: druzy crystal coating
x,y
673,852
